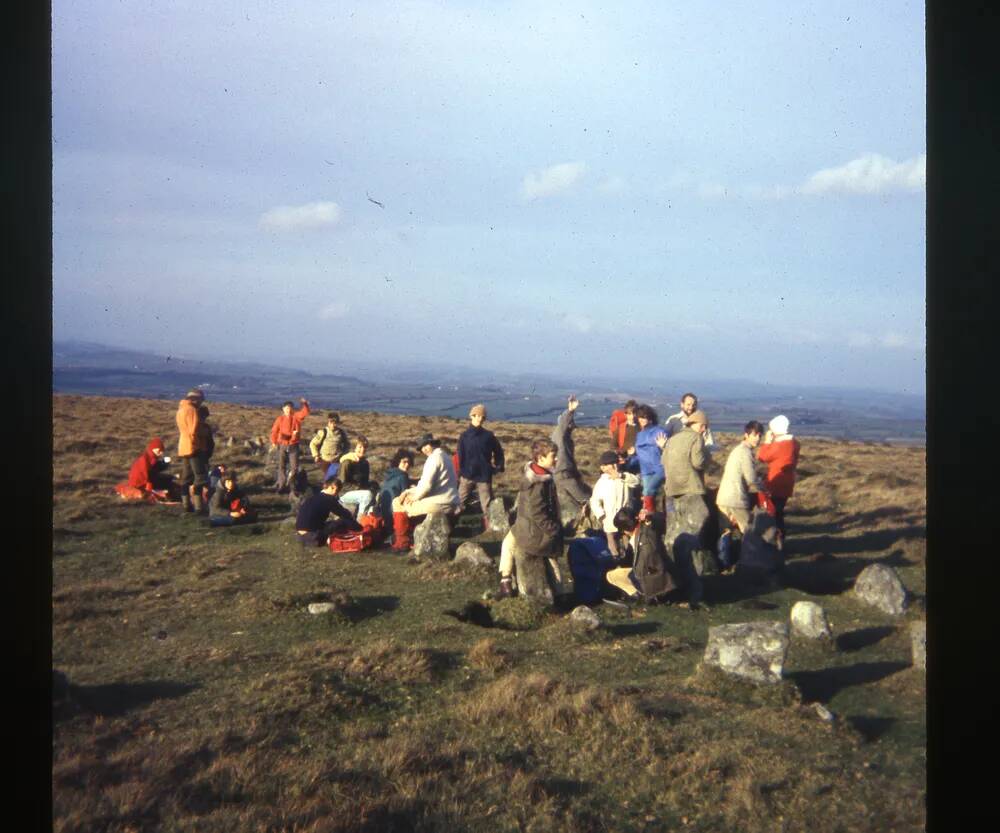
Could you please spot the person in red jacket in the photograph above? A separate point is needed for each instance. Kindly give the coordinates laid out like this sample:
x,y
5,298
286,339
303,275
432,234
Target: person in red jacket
x,y
146,478
780,450
622,427
285,434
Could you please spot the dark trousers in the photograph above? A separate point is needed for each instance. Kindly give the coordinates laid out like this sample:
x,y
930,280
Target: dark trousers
x,y
465,487
317,537
194,470
779,513
288,464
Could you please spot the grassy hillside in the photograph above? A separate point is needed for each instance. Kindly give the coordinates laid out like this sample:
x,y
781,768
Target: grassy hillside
x,y
205,697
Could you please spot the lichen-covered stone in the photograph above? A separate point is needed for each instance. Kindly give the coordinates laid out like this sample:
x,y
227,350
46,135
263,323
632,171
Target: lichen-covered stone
x,y
879,586
918,643
531,575
809,620
585,618
520,613
472,553
430,538
497,518
753,650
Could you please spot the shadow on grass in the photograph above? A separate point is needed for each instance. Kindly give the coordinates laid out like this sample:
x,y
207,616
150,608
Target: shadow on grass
x,y
633,628
832,576
862,519
871,728
863,638
115,699
822,685
879,539
367,607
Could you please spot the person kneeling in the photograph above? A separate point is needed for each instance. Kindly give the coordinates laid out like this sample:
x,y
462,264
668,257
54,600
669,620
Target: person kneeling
x,y
229,505
311,525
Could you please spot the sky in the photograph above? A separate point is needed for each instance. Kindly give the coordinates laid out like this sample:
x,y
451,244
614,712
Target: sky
x,y
675,188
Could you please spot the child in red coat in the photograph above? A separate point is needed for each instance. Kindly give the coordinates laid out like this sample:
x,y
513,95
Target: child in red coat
x,y
780,450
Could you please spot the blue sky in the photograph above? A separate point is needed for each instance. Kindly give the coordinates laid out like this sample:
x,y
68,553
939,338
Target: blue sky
x,y
696,190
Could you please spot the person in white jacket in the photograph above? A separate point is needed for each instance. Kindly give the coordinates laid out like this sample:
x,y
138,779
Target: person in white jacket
x,y
613,490
437,489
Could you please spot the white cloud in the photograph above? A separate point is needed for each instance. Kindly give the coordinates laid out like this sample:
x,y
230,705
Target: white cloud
x,y
890,341
869,174
312,215
552,180
580,323
612,185
332,311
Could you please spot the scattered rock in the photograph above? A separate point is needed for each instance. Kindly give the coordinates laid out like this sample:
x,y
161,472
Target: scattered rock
x,y
584,617
809,620
316,608
879,586
918,642
753,650
823,713
497,518
230,441
430,538
569,514
531,574
472,553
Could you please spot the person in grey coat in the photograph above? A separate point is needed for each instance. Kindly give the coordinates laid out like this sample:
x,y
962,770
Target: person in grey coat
x,y
569,484
740,479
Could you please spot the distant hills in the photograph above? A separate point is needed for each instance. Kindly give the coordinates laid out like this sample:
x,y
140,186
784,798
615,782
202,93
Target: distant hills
x,y
449,390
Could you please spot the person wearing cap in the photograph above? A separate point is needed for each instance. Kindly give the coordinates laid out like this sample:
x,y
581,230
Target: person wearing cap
x,y
194,465
614,489
676,422
436,491
285,434
229,505
480,456
780,450
739,479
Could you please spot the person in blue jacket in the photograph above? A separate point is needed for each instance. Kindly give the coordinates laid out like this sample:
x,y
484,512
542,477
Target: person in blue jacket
x,y
480,456
648,452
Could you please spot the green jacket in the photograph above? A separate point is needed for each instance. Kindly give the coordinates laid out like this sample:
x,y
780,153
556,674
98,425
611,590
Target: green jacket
x,y
684,460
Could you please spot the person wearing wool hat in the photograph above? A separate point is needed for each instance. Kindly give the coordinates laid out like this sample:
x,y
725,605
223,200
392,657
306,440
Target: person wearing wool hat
x,y
780,450
480,456
147,479
194,464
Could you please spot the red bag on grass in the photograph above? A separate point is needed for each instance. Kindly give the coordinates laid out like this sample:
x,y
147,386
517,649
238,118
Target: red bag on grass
x,y
371,533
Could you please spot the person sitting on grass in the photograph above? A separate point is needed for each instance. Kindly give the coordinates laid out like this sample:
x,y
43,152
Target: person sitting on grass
x,y
647,449
359,489
215,476
436,491
646,571
285,434
229,505
613,490
147,478
312,524
329,444
395,482
480,456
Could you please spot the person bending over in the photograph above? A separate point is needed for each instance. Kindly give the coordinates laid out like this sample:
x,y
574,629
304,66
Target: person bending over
x,y
312,524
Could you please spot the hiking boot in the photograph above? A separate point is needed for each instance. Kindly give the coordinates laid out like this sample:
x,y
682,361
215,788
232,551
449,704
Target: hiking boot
x,y
198,504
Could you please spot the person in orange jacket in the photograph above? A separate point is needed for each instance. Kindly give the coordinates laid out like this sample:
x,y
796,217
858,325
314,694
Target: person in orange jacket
x,y
194,463
780,450
623,428
285,433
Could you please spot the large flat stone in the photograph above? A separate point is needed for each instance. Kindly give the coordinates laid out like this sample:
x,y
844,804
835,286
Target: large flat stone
x,y
753,650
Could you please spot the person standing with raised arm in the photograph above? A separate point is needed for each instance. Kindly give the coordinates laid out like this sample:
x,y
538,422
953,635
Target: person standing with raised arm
x,y
569,484
285,435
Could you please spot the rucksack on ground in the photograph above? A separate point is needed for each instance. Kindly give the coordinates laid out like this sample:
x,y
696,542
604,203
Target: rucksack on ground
x,y
371,534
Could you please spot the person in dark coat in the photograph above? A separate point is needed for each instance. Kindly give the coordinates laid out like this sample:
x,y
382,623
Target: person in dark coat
x,y
229,505
572,490
312,527
480,456
395,481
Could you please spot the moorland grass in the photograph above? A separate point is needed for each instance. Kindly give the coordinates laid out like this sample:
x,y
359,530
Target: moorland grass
x,y
203,696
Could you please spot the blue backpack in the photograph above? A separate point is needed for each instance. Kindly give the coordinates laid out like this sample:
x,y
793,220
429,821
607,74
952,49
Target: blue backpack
x,y
332,470
589,561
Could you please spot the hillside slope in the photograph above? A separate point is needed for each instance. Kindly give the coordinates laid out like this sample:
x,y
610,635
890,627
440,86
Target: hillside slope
x,y
203,696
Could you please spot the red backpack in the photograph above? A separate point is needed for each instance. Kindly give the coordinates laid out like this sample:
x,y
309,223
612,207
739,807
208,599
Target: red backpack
x,y
371,533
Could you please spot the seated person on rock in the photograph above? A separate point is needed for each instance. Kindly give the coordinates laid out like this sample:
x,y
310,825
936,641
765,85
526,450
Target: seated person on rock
x,y
359,489
436,491
312,524
395,481
329,444
148,479
613,491
537,532
646,571
230,505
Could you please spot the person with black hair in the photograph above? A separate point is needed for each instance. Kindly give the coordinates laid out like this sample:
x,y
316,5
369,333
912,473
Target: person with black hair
x,y
395,481
229,505
644,570
647,450
740,480
312,527
285,435
436,491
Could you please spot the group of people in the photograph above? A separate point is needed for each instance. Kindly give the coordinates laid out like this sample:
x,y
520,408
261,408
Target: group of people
x,y
649,471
